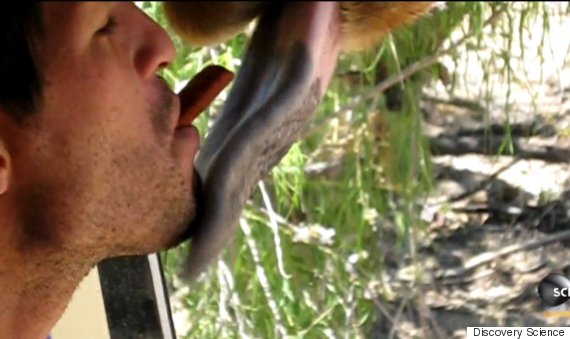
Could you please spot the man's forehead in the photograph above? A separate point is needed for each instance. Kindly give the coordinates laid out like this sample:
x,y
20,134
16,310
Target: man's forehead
x,y
74,8
73,14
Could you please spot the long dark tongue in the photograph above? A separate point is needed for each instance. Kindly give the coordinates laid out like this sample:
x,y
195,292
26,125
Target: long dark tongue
x,y
284,75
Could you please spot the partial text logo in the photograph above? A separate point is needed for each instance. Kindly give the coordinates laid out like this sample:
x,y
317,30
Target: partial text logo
x,y
554,289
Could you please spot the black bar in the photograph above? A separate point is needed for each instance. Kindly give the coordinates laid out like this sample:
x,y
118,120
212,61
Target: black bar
x,y
136,298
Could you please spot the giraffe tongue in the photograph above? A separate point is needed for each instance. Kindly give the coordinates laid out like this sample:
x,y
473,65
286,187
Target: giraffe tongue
x,y
199,93
284,75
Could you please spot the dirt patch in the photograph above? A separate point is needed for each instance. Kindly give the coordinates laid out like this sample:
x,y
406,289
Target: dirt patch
x,y
498,224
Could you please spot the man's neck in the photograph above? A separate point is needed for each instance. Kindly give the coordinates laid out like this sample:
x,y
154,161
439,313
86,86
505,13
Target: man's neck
x,y
35,293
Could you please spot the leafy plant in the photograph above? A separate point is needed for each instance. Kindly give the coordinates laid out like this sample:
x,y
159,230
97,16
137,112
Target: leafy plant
x,y
309,258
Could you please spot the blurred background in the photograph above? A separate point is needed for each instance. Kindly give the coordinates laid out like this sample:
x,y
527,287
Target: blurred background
x,y
428,195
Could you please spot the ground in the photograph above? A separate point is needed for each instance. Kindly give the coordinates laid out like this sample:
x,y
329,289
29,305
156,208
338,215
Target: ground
x,y
498,224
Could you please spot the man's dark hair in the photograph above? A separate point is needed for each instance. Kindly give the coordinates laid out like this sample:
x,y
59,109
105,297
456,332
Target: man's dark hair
x,y
20,79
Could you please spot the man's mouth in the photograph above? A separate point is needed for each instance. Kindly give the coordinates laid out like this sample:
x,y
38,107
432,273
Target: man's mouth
x,y
196,96
188,132
193,99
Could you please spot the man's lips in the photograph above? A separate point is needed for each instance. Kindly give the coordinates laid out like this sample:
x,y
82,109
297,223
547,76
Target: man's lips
x,y
193,99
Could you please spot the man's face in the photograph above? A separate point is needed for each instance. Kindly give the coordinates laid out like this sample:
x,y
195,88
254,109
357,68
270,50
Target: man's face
x,y
103,171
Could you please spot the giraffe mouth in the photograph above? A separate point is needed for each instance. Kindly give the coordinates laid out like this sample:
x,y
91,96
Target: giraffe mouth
x,y
283,77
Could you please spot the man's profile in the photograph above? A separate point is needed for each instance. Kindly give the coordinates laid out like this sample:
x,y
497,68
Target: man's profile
x,y
96,161
92,164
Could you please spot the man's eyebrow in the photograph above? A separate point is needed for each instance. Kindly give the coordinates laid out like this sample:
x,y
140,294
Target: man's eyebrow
x,y
80,12
84,8
62,10
90,11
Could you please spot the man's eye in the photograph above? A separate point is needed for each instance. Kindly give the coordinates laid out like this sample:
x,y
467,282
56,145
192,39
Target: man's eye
x,y
109,27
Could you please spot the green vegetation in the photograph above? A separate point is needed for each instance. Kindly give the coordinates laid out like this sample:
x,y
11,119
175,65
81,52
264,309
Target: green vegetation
x,y
309,257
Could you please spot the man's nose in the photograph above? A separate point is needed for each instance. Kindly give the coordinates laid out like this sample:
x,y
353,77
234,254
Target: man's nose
x,y
156,49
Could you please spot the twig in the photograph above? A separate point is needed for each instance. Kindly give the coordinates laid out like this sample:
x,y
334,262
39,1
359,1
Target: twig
x,y
223,314
543,214
458,102
465,280
275,229
383,310
487,257
479,187
228,280
502,209
349,309
425,312
280,330
397,318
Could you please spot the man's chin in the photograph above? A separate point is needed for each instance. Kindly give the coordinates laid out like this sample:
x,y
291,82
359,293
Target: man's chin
x,y
188,226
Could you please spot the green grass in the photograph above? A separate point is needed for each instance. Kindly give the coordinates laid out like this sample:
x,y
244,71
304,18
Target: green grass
x,y
320,272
